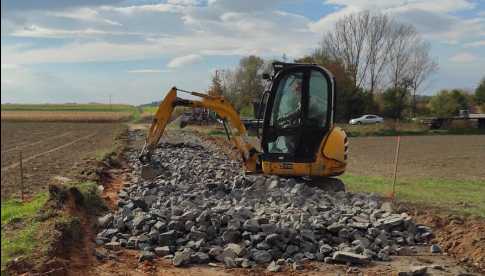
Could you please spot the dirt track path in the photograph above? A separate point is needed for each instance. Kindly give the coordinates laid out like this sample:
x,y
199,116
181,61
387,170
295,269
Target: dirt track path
x,y
125,262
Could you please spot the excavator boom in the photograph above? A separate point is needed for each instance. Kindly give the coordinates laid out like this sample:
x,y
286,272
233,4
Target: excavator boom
x,y
217,104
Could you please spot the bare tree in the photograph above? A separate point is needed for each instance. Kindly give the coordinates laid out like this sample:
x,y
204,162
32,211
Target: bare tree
x,y
421,66
372,47
347,44
378,47
403,39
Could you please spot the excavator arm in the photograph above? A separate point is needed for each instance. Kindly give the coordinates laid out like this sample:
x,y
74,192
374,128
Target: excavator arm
x,y
214,103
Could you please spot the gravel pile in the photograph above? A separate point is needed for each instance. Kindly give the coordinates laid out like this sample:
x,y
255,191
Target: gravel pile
x,y
201,209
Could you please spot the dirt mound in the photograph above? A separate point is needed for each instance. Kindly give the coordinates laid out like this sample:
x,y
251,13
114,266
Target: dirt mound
x,y
464,239
460,237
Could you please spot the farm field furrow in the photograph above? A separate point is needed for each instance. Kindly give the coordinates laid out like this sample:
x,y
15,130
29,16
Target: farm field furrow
x,y
53,141
31,157
54,153
25,145
21,141
453,157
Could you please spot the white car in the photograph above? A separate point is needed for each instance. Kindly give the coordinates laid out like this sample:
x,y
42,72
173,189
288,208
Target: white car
x,y
367,119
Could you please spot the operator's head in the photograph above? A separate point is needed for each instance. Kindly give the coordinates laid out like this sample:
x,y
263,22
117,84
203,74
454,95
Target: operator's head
x,y
297,87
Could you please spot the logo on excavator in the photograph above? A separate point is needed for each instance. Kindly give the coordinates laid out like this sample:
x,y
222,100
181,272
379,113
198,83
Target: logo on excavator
x,y
286,166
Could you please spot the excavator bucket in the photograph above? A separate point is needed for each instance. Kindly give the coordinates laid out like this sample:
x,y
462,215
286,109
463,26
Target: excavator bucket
x,y
149,171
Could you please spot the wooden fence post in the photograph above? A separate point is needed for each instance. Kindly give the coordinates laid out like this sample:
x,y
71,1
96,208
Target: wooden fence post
x,y
21,176
396,161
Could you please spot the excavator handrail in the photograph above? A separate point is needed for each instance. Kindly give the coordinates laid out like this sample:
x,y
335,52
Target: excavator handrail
x,y
217,104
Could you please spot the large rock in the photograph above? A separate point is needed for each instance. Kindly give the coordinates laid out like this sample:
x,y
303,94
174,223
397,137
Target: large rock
x,y
251,225
115,246
414,271
273,267
162,251
236,249
167,238
146,256
200,258
347,257
182,257
261,256
105,220
231,236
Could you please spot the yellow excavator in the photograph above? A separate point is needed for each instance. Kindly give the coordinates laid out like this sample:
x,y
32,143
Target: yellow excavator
x,y
299,137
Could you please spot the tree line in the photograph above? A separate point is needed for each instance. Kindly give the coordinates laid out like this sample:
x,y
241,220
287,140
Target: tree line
x,y
380,65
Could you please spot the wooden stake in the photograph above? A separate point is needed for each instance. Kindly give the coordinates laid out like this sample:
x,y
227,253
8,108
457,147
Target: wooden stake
x,y
21,177
396,160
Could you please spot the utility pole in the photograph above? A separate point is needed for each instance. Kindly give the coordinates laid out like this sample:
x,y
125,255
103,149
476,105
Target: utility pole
x,y
110,106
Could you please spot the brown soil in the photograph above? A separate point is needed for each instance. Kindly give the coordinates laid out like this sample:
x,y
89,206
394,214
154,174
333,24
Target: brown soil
x,y
48,150
456,157
460,237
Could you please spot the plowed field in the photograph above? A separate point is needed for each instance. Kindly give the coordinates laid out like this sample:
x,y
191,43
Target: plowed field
x,y
48,150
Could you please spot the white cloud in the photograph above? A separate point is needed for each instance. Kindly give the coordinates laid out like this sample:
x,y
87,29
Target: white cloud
x,y
464,57
147,71
84,14
185,2
244,6
327,23
265,34
37,31
475,44
131,10
184,60
43,32
429,5
433,18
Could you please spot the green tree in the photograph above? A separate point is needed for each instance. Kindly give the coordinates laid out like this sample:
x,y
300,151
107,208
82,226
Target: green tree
x,y
480,93
448,103
461,98
216,88
244,84
249,77
395,101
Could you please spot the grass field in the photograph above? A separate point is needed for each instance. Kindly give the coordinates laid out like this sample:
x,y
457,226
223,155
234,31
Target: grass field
x,y
390,128
69,113
21,239
69,107
462,197
66,116
29,230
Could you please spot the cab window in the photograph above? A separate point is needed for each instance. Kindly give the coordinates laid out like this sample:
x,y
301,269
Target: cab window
x,y
287,104
318,101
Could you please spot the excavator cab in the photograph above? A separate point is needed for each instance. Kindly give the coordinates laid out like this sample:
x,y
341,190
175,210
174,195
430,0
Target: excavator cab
x,y
298,133
298,113
298,121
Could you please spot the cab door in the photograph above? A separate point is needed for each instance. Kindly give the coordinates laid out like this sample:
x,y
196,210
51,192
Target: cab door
x,y
298,114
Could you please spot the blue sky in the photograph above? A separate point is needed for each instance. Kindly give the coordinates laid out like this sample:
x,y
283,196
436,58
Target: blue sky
x,y
83,51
